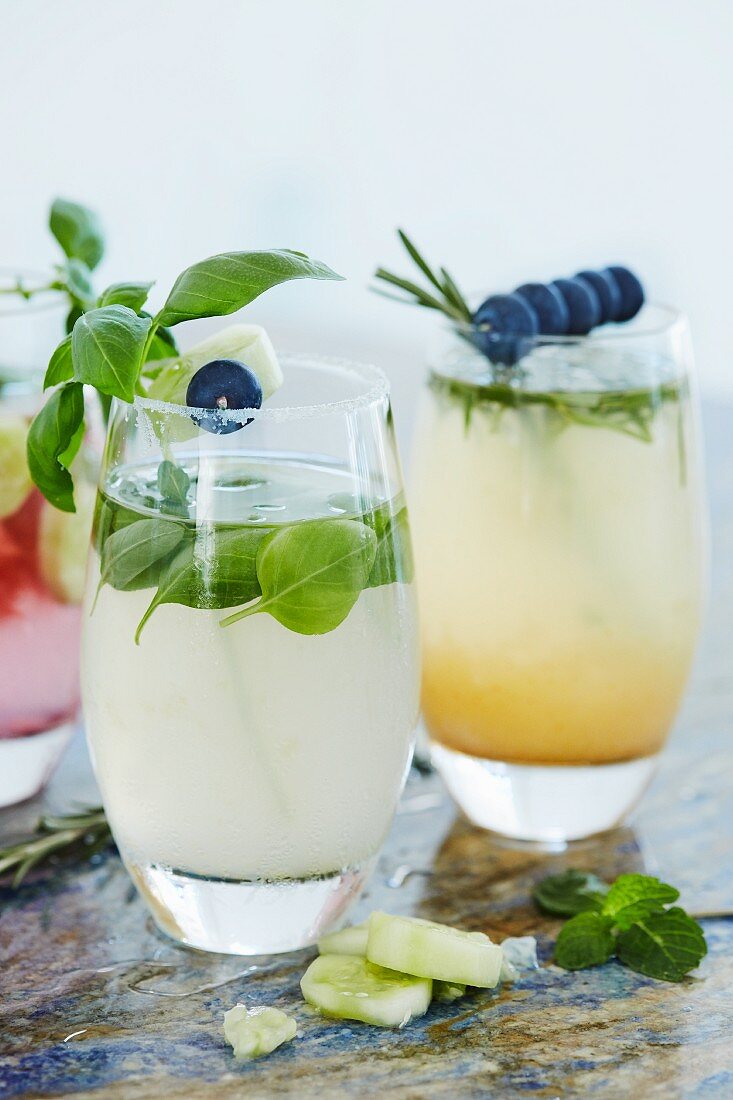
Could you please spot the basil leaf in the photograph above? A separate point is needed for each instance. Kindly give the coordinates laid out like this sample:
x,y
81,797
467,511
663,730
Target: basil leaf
x,y
393,561
586,940
162,346
72,317
173,486
635,897
215,570
61,366
132,295
132,557
311,574
50,435
78,231
570,893
107,346
224,283
665,945
78,280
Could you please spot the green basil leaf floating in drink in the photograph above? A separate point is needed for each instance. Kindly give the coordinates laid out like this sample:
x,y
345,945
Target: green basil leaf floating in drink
x,y
173,485
635,897
393,561
665,945
223,284
78,231
51,439
586,940
132,295
133,557
216,570
570,893
311,574
61,366
108,344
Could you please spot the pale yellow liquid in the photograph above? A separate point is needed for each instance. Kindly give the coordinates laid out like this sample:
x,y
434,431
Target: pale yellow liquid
x,y
559,577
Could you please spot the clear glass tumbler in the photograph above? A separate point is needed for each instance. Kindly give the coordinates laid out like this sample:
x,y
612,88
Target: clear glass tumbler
x,y
559,520
42,560
250,655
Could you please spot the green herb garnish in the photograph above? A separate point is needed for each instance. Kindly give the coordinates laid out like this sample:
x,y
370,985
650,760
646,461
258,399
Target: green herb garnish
x,y
113,345
631,920
85,832
444,295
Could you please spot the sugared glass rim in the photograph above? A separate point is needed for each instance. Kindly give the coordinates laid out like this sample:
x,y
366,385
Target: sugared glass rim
x,y
638,328
374,379
12,302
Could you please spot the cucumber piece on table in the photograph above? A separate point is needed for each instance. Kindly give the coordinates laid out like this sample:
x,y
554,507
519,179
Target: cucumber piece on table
x,y
350,988
256,1031
349,941
429,950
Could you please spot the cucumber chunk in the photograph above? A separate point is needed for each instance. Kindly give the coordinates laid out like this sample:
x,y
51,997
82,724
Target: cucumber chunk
x,y
256,1031
248,344
429,950
447,992
349,941
350,988
15,478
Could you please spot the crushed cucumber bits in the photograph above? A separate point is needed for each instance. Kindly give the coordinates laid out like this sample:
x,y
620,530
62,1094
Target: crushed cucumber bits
x,y
256,1031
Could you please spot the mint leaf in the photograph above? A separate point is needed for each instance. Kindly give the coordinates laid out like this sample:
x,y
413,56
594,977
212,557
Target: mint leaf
x,y
61,366
223,284
311,574
586,940
634,897
570,893
51,438
78,231
132,295
132,557
217,569
664,945
107,345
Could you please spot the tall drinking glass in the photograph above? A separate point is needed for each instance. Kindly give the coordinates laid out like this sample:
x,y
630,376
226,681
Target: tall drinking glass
x,y
42,558
558,516
250,655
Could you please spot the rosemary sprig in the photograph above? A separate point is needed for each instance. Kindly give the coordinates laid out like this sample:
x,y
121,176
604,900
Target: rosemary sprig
x,y
85,832
447,298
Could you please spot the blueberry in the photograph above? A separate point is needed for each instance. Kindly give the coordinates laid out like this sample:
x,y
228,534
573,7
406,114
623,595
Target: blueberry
x,y
631,290
549,305
583,304
507,318
223,384
608,293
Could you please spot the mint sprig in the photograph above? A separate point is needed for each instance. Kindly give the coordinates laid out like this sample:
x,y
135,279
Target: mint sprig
x,y
112,343
629,920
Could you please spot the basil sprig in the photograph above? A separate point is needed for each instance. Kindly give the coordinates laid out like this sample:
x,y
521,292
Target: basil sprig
x,y
633,919
112,343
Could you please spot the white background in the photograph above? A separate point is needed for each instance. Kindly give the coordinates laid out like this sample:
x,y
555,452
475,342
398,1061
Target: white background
x,y
515,140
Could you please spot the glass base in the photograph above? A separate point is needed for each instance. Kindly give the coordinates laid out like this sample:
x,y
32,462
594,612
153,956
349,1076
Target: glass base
x,y
546,803
246,918
27,763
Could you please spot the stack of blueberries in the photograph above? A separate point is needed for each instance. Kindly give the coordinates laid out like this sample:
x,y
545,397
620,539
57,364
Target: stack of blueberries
x,y
565,307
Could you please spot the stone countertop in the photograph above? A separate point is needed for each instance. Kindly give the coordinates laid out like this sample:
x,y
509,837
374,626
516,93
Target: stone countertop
x,y
95,1003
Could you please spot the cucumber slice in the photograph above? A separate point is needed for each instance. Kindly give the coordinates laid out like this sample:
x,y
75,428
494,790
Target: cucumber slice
x,y
431,950
349,941
350,988
447,991
248,344
256,1031
15,480
63,543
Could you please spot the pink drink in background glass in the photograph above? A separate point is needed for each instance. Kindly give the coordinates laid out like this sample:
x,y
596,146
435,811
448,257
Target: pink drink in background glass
x,y
42,560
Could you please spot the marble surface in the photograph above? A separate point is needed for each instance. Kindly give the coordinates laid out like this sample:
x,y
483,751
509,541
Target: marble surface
x,y
94,1003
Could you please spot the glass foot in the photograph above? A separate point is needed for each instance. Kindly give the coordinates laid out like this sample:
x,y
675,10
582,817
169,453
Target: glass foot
x,y
545,803
246,918
27,763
